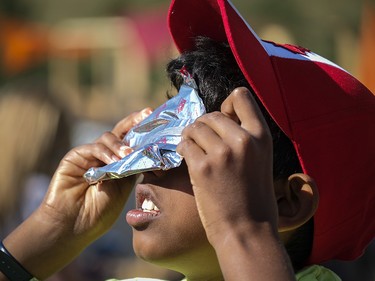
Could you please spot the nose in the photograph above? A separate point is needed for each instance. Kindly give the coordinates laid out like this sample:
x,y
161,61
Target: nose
x,y
153,174
159,173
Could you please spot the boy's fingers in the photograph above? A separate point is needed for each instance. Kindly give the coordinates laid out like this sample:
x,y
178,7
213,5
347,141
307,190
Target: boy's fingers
x,y
202,134
122,127
112,141
222,126
87,156
190,151
240,106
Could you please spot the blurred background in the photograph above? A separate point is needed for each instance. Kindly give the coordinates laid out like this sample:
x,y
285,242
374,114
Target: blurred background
x,y
70,69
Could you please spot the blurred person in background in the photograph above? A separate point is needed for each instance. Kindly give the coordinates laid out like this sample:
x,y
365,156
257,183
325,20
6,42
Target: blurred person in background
x,y
34,136
35,133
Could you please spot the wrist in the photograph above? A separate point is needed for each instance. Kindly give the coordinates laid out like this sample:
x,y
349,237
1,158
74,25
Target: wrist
x,y
243,230
256,248
11,268
64,228
42,246
249,234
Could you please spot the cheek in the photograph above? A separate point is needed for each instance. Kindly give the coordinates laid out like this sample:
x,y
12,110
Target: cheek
x,y
187,223
178,231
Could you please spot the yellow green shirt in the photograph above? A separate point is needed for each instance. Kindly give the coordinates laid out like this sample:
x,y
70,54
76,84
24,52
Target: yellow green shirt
x,y
311,273
316,273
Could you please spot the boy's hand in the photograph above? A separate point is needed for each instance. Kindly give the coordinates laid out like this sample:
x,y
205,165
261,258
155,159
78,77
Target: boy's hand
x,y
90,210
229,158
73,213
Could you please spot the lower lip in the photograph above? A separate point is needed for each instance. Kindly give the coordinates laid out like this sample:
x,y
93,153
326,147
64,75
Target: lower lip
x,y
139,219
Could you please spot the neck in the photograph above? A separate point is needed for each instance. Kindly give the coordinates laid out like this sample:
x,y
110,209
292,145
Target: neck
x,y
198,266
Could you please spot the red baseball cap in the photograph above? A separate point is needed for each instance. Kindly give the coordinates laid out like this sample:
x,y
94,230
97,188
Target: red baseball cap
x,y
326,112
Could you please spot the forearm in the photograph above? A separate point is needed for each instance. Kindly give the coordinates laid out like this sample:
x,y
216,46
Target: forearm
x,y
42,247
245,254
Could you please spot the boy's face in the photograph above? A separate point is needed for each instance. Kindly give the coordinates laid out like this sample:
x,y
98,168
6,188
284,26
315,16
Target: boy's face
x,y
174,234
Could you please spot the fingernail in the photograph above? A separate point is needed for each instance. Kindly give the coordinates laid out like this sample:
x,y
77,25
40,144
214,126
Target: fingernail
x,y
115,158
122,153
125,150
145,113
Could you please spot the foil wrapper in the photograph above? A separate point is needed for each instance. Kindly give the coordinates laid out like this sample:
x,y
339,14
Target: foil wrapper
x,y
155,139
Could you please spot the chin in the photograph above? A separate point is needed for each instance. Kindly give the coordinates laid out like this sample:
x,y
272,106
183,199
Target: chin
x,y
170,252
152,248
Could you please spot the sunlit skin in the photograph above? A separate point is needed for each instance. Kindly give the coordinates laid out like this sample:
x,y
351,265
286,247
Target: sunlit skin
x,y
73,213
218,215
174,237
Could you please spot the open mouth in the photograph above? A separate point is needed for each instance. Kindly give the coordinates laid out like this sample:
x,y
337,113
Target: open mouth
x,y
149,207
145,202
146,209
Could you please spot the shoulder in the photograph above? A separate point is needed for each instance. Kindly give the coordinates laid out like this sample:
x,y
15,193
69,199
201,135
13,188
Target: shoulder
x,y
316,273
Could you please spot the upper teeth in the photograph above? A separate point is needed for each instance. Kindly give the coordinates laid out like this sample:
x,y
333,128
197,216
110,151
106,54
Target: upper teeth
x,y
148,206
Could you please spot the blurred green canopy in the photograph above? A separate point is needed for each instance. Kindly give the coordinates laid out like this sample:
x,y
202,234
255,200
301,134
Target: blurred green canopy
x,y
311,23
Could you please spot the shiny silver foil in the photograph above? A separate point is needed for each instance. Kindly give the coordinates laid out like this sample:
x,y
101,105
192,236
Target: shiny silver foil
x,y
155,139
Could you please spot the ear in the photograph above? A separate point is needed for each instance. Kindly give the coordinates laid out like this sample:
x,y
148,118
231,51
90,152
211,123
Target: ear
x,y
297,200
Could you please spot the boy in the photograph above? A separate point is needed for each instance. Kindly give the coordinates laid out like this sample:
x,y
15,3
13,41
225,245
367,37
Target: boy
x,y
223,214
